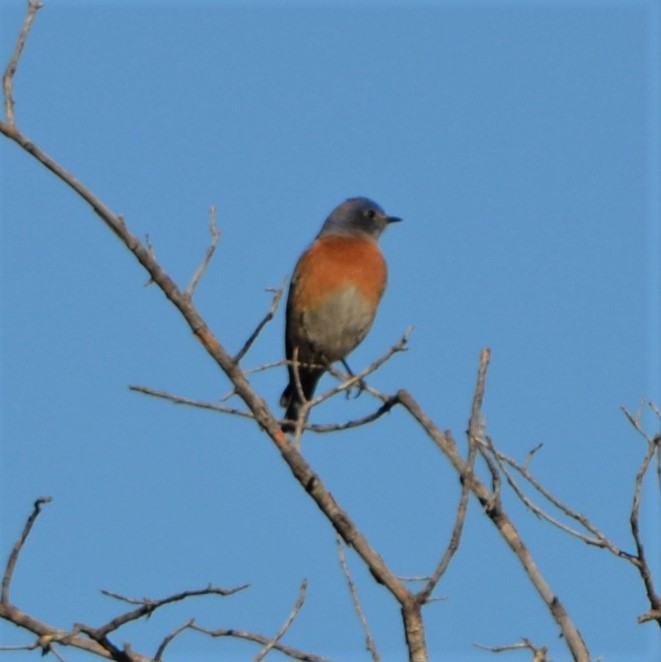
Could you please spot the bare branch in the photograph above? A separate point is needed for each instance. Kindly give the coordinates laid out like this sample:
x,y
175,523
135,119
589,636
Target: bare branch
x,y
476,425
539,652
26,647
98,642
286,625
457,529
596,539
146,608
10,71
369,418
528,459
277,296
215,236
18,546
181,400
213,406
651,615
47,634
251,371
496,513
475,431
152,605
170,637
259,639
635,419
653,448
369,641
305,405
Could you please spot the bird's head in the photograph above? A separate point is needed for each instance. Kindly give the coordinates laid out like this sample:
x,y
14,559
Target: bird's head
x,y
357,216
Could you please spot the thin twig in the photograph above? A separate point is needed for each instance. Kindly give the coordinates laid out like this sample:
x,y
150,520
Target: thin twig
x,y
277,296
496,481
597,538
176,597
476,433
304,408
213,406
642,565
370,644
475,429
635,420
539,652
251,371
148,606
651,615
18,546
358,422
531,453
10,71
215,236
476,425
168,638
286,625
265,366
181,400
293,653
457,529
23,647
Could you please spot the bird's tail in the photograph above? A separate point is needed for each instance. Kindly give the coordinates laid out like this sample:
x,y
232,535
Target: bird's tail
x,y
291,398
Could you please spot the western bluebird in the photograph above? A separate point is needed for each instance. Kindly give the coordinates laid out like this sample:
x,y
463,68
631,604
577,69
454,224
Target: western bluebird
x,y
334,292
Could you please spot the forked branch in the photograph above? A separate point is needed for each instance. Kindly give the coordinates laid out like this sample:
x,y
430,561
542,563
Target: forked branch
x,y
96,639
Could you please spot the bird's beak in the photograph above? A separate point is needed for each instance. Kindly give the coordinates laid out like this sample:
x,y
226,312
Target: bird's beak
x,y
393,219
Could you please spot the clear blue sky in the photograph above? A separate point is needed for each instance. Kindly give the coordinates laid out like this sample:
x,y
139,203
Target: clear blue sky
x,y
520,143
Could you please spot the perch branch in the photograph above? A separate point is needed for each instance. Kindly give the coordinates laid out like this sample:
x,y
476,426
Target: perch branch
x,y
299,467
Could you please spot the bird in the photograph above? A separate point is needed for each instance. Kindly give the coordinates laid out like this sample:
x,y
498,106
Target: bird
x,y
333,296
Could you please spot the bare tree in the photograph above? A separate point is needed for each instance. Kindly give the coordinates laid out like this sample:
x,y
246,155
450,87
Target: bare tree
x,y
501,470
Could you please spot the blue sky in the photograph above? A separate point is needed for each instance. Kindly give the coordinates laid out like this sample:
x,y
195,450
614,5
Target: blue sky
x,y
520,143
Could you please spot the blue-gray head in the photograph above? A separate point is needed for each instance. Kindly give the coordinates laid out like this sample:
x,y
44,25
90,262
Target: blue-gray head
x,y
357,216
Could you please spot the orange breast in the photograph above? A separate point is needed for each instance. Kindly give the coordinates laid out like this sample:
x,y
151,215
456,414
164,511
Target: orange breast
x,y
334,262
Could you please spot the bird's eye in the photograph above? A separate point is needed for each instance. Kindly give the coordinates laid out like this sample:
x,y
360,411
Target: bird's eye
x,y
370,213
